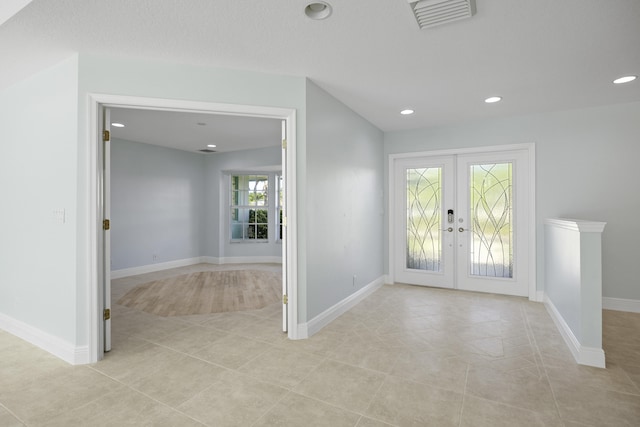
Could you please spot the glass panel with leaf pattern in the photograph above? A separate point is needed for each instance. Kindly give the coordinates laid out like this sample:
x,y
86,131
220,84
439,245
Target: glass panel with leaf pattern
x,y
424,195
491,220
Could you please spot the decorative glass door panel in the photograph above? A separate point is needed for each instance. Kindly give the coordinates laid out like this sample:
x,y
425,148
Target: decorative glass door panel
x,y
424,196
461,221
491,217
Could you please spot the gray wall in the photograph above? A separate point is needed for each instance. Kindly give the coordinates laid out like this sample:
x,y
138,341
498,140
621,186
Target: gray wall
x,y
585,161
171,203
344,212
157,204
38,174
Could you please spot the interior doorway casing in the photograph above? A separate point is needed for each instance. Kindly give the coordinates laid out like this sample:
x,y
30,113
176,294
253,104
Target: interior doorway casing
x,y
97,102
531,219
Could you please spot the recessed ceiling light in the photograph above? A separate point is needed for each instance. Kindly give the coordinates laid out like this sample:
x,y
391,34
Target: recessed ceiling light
x,y
117,125
407,112
318,10
211,145
625,79
493,99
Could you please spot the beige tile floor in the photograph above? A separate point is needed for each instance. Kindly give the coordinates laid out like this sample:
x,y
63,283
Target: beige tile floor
x,y
406,356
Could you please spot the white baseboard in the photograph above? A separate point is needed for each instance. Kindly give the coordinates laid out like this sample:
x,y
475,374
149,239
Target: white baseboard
x,y
332,313
75,355
242,260
589,356
126,272
539,297
619,304
150,268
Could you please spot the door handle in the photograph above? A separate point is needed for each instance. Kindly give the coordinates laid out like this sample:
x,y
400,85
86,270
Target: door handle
x,y
462,229
450,229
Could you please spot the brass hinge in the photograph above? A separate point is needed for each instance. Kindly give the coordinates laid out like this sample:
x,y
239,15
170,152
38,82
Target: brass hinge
x,y
106,136
106,314
106,224
285,299
284,144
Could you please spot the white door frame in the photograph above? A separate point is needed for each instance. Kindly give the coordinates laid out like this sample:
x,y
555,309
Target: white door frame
x,y
531,226
94,176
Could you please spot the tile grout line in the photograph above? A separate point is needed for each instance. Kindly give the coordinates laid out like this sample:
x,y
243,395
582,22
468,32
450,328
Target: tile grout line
x,y
464,393
135,390
373,397
269,409
543,367
24,423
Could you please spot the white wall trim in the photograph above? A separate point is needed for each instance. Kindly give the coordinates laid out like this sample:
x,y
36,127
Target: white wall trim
x,y
578,225
75,355
621,304
242,260
332,313
151,268
589,356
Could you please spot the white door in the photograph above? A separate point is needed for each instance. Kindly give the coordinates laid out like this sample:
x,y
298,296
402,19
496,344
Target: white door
x,y
461,221
424,237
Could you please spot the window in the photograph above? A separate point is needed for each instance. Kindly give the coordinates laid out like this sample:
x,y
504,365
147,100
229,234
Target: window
x,y
249,207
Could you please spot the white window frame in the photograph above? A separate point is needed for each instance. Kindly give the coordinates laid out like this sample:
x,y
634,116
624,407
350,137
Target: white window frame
x,y
272,206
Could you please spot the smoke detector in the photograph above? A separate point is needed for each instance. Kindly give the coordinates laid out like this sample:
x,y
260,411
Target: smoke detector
x,y
431,13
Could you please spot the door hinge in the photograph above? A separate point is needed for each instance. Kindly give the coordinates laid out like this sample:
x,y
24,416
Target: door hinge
x,y
284,144
106,136
284,221
106,224
106,314
285,299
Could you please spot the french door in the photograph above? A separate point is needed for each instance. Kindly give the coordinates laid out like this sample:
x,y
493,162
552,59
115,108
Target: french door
x,y
461,221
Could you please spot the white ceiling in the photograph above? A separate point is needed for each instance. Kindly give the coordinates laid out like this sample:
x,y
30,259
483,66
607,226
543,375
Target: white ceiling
x,y
194,131
539,55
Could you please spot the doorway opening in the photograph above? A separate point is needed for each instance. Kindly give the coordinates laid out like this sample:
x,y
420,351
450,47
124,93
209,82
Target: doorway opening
x,y
464,219
99,195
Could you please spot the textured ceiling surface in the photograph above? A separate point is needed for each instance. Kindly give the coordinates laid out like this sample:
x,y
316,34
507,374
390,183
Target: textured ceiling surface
x,y
539,55
194,131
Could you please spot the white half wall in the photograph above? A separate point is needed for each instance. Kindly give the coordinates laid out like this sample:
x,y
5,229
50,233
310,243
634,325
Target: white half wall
x,y
573,292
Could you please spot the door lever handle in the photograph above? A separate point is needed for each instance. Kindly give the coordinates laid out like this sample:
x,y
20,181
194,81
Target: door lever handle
x,y
462,229
450,229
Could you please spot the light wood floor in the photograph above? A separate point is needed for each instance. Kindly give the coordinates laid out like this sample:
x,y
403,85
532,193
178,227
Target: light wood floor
x,y
206,292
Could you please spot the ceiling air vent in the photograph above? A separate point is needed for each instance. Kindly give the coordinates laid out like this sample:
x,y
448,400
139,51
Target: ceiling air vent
x,y
430,13
206,150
